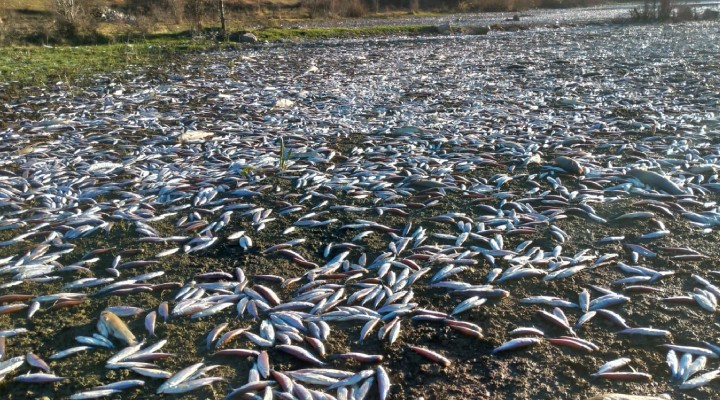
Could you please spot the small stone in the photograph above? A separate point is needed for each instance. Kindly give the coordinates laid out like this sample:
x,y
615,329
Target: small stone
x,y
444,29
248,38
192,136
284,103
479,30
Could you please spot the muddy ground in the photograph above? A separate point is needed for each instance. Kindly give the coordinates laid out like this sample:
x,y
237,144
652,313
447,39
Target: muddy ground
x,y
540,372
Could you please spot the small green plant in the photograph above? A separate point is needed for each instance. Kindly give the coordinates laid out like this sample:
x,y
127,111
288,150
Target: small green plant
x,y
74,90
285,155
247,171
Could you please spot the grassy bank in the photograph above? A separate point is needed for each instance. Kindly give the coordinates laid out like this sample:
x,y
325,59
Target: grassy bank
x,y
38,65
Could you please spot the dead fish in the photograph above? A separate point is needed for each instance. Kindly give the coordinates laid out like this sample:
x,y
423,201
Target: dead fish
x,y
516,344
620,396
701,380
641,250
214,333
251,387
179,377
656,181
11,365
645,332
383,381
39,378
94,394
699,351
163,311
300,353
37,362
569,165
431,355
614,365
191,384
242,353
68,352
150,322
111,325
526,331
624,376
635,215
571,343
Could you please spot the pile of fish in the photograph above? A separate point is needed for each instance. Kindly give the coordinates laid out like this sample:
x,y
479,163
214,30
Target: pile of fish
x,y
308,213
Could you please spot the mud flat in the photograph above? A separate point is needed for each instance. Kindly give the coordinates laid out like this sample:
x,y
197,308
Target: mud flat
x,y
401,177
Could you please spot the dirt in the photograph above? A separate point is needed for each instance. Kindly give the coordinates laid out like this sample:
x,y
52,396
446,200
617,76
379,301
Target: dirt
x,y
540,372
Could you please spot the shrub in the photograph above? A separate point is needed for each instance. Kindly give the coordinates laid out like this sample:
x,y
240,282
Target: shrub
x,y
320,8
552,4
651,10
175,9
69,11
414,6
684,13
77,20
167,11
710,14
197,10
352,9
336,8
142,25
6,29
495,5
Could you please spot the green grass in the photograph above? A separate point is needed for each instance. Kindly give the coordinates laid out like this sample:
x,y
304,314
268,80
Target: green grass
x,y
38,65
41,65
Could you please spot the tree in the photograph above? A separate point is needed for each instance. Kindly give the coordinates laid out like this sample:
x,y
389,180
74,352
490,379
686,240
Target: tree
x,y
414,6
194,10
68,10
199,10
221,5
651,10
74,17
665,9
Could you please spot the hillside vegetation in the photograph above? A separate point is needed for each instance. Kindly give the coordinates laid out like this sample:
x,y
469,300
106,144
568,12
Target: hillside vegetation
x,y
100,21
